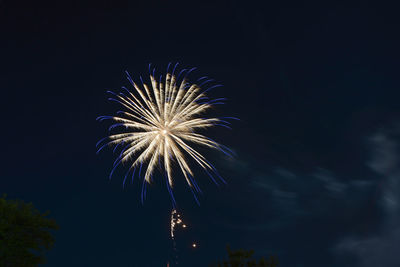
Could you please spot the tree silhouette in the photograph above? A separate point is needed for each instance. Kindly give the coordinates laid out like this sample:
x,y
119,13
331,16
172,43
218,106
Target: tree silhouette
x,y
243,258
24,234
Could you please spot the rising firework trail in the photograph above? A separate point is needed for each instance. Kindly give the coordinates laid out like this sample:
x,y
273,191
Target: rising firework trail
x,y
175,223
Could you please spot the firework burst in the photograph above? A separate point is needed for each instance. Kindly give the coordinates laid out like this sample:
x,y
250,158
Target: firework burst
x,y
159,125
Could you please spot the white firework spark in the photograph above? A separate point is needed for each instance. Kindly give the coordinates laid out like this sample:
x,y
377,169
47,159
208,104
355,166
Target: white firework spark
x,y
161,123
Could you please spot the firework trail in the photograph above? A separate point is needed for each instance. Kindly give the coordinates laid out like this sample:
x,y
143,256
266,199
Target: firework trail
x,y
176,220
159,125
172,230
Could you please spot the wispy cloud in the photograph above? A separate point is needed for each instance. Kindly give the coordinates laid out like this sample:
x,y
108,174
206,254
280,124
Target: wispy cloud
x,y
285,197
381,248
291,206
331,183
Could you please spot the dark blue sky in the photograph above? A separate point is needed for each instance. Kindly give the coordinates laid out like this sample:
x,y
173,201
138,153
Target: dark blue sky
x,y
316,177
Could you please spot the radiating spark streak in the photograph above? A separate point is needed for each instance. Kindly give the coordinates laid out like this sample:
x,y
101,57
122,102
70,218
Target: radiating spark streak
x,y
160,123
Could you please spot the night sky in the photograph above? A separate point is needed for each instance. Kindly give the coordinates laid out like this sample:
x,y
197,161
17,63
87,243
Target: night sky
x,y
315,85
